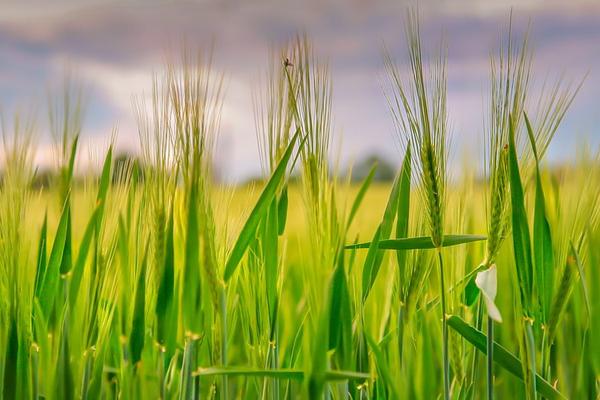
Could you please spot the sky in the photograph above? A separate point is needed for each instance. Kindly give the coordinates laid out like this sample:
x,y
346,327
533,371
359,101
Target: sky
x,y
113,48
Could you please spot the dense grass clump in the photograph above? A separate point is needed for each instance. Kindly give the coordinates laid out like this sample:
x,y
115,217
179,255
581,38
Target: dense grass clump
x,y
151,280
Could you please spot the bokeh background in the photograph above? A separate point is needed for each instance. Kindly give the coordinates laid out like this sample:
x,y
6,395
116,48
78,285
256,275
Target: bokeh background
x,y
113,48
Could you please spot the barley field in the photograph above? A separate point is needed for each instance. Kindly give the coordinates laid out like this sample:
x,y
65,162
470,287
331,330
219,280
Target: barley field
x,y
152,280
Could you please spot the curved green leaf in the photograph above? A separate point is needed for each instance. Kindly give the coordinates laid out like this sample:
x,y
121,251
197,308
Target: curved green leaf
x,y
52,276
502,356
136,339
520,228
259,211
282,210
360,195
42,257
78,267
293,374
543,254
166,287
418,243
375,257
403,213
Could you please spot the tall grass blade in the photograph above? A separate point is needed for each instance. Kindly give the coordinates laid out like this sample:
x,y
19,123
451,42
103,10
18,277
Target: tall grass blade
x,y
51,279
64,386
138,325
271,255
260,209
165,296
191,290
384,369
523,262
543,252
42,256
418,243
375,257
282,210
104,183
9,380
360,195
340,317
584,287
403,212
82,256
521,237
293,374
501,356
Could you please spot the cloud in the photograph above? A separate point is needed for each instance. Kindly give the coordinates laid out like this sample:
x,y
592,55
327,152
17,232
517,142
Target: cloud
x,y
114,47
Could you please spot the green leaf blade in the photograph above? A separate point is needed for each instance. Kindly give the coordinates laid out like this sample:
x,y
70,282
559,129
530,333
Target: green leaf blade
x,y
375,257
164,300
84,247
136,338
51,278
403,212
520,228
543,253
361,195
418,243
260,208
502,356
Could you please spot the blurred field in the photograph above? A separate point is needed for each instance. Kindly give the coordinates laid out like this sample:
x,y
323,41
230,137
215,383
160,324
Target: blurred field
x,y
232,206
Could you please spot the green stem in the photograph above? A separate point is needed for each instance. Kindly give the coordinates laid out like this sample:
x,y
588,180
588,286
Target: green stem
x,y
161,372
473,377
530,354
400,333
275,357
545,368
186,384
444,328
223,301
475,358
490,358
35,382
87,372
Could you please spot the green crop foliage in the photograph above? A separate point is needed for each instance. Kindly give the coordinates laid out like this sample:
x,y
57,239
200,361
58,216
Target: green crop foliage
x,y
149,279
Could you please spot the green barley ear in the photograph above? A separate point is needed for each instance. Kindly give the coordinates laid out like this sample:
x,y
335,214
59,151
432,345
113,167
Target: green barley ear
x,y
18,151
499,208
420,116
273,114
579,214
563,293
419,110
65,117
195,99
310,92
16,283
160,170
310,89
552,105
510,75
157,141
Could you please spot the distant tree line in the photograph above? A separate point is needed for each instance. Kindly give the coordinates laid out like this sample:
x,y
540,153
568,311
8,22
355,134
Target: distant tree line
x,y
125,163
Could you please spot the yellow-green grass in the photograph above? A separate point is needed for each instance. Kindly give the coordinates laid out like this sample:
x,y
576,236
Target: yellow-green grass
x,y
151,280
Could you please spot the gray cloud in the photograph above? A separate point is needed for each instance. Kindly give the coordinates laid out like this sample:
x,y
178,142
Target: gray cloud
x,y
117,45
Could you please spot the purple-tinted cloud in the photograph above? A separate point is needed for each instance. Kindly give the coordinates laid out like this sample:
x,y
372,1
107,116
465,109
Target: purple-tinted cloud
x,y
114,47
